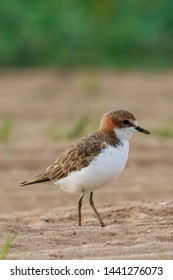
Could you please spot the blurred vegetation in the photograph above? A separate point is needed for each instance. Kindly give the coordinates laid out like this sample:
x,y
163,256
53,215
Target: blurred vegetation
x,y
6,248
90,33
5,129
79,128
56,133
163,132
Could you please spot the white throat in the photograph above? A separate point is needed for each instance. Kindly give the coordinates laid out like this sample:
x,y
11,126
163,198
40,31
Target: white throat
x,y
125,133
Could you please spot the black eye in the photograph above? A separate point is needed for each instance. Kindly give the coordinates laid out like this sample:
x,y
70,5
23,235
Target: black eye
x,y
126,122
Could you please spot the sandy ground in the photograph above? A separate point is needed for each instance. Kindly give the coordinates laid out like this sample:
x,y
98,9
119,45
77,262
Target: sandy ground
x,y
137,208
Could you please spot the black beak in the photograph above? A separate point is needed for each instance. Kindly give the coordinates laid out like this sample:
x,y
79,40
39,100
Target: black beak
x,y
140,129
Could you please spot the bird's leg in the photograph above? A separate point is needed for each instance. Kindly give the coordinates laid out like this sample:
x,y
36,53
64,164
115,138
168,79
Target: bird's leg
x,y
80,206
95,210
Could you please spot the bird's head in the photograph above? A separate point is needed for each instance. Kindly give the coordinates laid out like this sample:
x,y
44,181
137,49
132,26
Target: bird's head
x,y
122,122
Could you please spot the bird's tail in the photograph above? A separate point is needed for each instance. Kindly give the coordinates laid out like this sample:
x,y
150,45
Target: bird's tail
x,y
34,181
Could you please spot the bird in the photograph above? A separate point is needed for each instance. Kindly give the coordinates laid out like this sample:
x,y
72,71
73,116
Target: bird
x,y
94,160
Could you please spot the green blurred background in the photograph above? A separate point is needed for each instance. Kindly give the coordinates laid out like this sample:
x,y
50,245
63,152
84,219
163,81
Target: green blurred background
x,y
77,33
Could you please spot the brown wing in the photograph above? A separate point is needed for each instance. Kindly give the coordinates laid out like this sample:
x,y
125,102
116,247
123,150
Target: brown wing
x,y
78,156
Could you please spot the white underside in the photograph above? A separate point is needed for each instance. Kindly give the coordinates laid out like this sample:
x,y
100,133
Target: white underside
x,y
106,167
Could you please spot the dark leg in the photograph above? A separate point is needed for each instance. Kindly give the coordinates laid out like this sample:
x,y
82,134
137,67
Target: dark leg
x,y
80,206
95,210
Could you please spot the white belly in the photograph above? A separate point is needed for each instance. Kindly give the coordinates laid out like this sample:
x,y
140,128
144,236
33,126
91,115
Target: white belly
x,y
104,168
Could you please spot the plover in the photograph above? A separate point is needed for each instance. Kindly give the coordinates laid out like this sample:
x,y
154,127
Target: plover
x,y
94,160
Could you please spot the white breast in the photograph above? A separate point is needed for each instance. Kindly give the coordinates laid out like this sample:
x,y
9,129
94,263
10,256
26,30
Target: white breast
x,y
104,168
